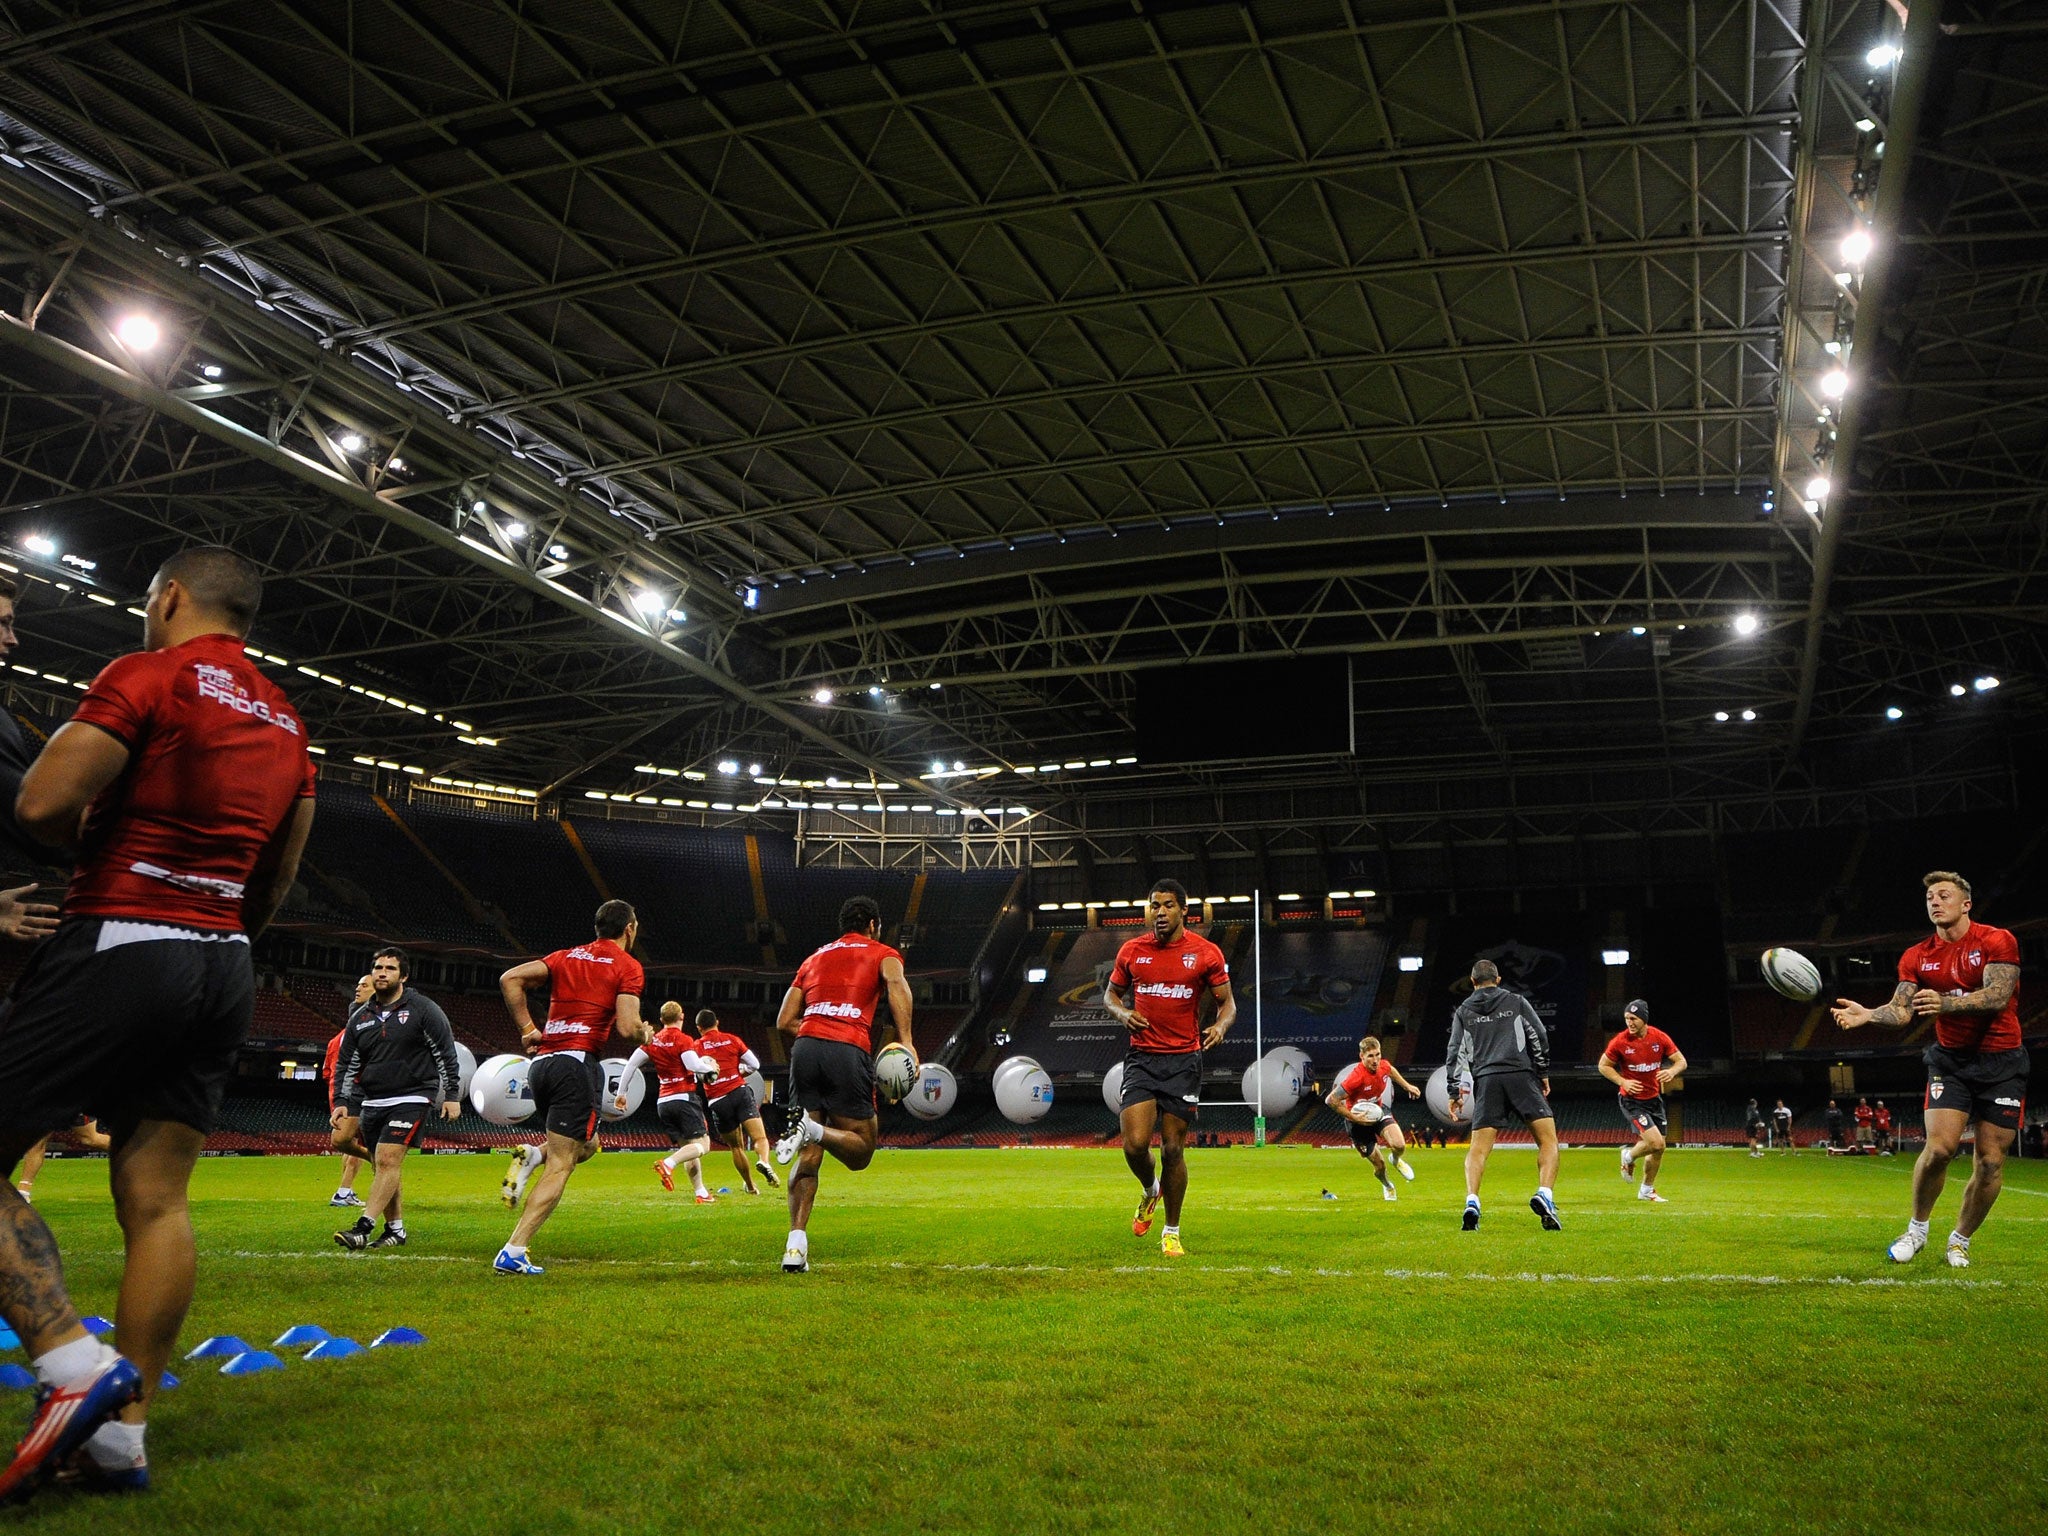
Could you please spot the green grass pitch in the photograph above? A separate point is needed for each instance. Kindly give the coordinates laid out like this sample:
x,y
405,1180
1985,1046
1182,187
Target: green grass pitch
x,y
983,1345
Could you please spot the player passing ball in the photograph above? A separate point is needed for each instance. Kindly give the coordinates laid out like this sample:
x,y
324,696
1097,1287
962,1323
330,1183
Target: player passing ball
x,y
1964,979
1642,1062
1364,1096
1156,991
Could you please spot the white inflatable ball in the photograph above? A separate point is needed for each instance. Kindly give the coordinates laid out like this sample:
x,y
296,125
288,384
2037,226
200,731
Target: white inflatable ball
x,y
1024,1097
1113,1089
934,1094
1436,1094
1011,1064
1273,1084
759,1084
1791,974
500,1091
615,1074
465,1065
895,1072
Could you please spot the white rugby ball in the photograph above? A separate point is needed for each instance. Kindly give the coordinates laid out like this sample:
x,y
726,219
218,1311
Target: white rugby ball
x,y
1437,1094
1791,974
895,1072
935,1093
1373,1111
1024,1097
636,1089
1008,1065
1113,1089
500,1091
465,1066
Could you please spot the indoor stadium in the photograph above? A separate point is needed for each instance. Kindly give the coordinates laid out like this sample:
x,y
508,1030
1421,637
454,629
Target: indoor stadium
x,y
965,765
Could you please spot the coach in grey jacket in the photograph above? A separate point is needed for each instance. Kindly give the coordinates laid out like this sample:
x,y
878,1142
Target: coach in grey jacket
x,y
1500,1055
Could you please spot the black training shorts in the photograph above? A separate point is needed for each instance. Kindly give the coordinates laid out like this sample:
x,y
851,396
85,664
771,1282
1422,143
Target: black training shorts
x,y
1366,1137
732,1112
1499,1099
681,1116
1173,1080
1641,1114
126,1021
832,1077
566,1093
397,1125
1991,1087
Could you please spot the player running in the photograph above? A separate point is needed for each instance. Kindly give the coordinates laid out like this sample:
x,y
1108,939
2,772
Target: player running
x,y
1500,1057
591,988
184,781
830,1008
346,1118
1965,977
1642,1062
86,1135
673,1054
735,1113
397,1062
1364,1095
1156,990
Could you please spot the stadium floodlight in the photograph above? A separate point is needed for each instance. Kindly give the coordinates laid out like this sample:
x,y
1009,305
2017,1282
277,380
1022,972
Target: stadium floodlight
x,y
649,603
1721,715
1637,629
874,690
1834,383
138,333
1893,712
1365,895
1747,623
1883,56
822,696
1037,973
1616,957
1865,123
1340,895
1288,896
1409,963
209,370
1817,488
727,765
1985,684
515,530
1956,690
1856,246
37,544
753,770
1749,714
351,442
958,766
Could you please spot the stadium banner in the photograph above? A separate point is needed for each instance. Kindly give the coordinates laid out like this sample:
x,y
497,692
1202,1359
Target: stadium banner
x,y
1320,990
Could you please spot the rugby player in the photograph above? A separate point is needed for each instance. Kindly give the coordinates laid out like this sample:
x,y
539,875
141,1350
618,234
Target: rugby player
x,y
1965,977
397,1062
1371,1080
184,782
1866,1123
1500,1057
1883,1122
830,1009
86,1135
1155,990
1753,1127
735,1114
591,988
1642,1062
1781,1124
678,1103
345,1118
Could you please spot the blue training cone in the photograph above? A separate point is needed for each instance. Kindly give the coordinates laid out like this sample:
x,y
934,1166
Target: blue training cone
x,y
220,1346
16,1377
334,1349
250,1363
9,1339
95,1325
169,1381
299,1335
398,1336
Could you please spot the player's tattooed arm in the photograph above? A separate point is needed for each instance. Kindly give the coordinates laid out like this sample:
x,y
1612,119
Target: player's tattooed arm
x,y
1896,1013
2000,979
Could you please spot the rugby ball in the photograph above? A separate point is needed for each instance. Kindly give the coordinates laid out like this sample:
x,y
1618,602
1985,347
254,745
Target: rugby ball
x,y
895,1072
1372,1111
1008,1065
1791,974
1436,1093
465,1067
1113,1089
934,1094
635,1081
500,1091
1274,1083
1024,1097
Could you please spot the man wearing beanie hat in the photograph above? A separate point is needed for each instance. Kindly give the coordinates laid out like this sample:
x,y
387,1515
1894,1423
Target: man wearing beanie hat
x,y
1640,1061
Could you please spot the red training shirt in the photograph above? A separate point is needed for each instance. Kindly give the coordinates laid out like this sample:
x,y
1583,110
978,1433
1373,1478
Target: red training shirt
x,y
1641,1060
673,1080
1864,1114
1166,983
1884,1118
842,985
1954,969
725,1048
217,760
1358,1083
327,1068
586,984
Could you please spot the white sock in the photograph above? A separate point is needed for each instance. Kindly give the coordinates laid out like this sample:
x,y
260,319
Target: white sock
x,y
1544,1191
71,1362
1957,1240
535,1156
800,1240
1916,1228
1173,1231
117,1446
1156,1189
696,1170
1473,1201
395,1224
518,1251
673,1161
